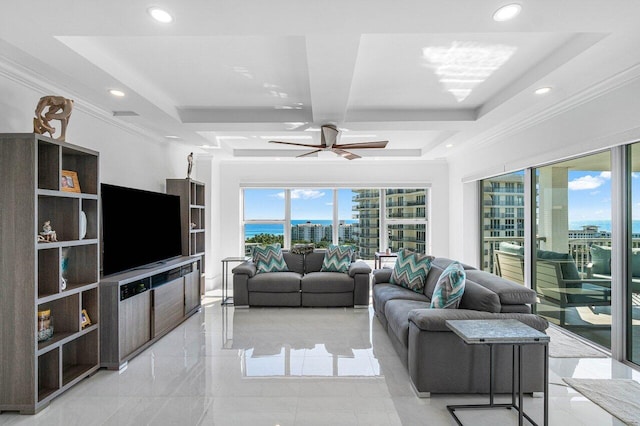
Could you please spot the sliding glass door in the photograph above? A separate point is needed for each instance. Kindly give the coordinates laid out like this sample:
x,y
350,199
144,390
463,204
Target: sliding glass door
x,y
633,253
572,265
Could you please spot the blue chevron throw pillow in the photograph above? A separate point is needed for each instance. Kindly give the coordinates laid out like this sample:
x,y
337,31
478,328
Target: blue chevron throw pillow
x,y
269,259
450,287
337,259
411,270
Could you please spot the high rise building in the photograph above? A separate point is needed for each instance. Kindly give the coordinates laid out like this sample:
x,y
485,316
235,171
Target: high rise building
x,y
403,208
502,213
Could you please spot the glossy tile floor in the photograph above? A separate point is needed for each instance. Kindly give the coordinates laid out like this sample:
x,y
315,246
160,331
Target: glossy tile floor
x,y
270,366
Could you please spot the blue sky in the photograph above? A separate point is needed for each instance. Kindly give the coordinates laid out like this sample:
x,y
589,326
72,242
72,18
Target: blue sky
x,y
590,196
308,203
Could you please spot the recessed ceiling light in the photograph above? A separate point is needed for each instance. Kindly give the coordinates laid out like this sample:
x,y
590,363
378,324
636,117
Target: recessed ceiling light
x,y
116,92
449,145
160,15
172,137
507,12
542,90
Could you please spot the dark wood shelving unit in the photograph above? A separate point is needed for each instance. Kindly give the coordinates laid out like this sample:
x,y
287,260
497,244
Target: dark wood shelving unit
x,y
31,168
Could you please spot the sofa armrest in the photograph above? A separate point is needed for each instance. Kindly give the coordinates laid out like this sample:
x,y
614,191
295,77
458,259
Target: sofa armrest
x,y
434,319
382,275
359,267
245,268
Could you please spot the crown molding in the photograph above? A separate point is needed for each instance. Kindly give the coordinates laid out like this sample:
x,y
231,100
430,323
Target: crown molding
x,y
32,80
527,120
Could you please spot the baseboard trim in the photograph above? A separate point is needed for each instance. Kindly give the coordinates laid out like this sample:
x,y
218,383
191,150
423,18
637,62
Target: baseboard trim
x,y
418,393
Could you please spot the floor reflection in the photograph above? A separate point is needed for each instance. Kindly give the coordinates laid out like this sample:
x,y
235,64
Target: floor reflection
x,y
274,342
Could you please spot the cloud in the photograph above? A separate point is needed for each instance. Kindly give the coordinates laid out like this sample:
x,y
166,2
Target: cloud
x,y
587,182
635,175
303,194
605,175
328,204
306,194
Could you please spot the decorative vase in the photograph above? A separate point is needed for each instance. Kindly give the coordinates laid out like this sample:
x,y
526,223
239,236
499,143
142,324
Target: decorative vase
x,y
64,267
83,225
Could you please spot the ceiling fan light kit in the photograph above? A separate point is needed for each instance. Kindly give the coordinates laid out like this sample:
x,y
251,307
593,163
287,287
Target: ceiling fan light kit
x,y
328,137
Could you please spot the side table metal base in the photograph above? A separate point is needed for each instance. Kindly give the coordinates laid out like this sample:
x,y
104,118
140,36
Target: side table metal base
x,y
516,348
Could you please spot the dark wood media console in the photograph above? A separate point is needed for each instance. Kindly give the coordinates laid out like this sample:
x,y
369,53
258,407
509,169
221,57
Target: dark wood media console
x,y
139,307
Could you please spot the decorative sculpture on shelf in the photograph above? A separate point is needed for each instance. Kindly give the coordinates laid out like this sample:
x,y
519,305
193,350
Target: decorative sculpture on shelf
x,y
59,108
47,235
190,165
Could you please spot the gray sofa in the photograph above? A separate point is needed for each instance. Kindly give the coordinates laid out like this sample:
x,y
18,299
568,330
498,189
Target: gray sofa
x,y
303,285
437,359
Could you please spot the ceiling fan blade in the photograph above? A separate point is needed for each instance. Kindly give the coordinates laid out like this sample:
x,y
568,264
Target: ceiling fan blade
x,y
308,153
345,154
362,145
298,144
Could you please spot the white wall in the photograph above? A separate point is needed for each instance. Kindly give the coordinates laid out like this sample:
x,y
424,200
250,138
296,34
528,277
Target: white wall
x,y
233,174
126,158
608,120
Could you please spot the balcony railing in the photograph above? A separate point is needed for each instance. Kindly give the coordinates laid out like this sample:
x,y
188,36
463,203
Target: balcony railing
x,y
579,248
503,190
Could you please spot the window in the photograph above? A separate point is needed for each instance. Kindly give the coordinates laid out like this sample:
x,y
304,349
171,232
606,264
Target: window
x,y
264,217
312,216
337,215
498,223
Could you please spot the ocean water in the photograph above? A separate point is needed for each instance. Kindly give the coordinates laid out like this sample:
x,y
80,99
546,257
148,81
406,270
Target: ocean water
x,y
603,225
253,229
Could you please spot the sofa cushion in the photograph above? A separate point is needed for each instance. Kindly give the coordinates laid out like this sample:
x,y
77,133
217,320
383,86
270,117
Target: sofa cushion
x,y
313,261
326,282
443,262
509,292
269,258
479,298
295,262
275,282
449,288
397,314
411,270
382,293
337,259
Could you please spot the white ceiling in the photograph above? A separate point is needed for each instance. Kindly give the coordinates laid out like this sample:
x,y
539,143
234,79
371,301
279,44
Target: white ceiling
x,y
233,74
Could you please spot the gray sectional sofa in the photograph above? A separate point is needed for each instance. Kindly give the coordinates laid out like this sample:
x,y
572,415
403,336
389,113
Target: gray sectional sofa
x,y
437,359
303,285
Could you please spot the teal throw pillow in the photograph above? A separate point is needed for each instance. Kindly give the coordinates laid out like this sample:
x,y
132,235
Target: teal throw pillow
x,y
450,287
269,259
411,270
601,259
337,259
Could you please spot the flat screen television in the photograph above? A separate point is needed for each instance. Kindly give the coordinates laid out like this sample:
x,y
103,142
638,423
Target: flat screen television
x,y
139,228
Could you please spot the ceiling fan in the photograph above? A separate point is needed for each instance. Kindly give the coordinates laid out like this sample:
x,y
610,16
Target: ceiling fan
x,y
328,137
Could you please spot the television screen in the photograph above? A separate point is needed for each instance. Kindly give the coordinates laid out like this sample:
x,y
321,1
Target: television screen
x,y
139,228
